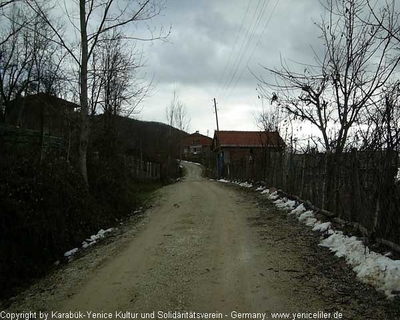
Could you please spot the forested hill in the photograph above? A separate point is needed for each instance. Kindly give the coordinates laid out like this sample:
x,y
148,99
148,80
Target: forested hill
x,y
147,139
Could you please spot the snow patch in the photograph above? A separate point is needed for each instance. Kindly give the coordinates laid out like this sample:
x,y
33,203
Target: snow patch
x,y
306,215
279,202
291,204
138,211
322,227
88,242
285,204
273,196
310,222
70,253
223,180
101,234
241,184
370,267
244,184
298,210
198,164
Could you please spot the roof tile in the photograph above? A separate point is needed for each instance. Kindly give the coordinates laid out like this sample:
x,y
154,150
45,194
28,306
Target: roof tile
x,y
249,138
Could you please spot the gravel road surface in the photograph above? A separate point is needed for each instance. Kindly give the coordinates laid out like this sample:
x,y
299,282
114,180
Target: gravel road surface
x,y
207,247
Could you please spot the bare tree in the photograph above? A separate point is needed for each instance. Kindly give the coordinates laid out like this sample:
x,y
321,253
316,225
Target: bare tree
x,y
332,94
95,19
7,14
30,62
379,128
182,119
16,59
116,86
269,118
47,59
176,114
4,4
170,110
343,84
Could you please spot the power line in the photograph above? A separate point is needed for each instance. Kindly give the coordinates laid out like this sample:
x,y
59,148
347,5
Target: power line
x,y
233,48
252,54
241,49
247,45
229,89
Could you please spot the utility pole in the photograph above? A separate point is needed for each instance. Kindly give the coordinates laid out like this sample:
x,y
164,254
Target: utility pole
x,y
218,148
216,113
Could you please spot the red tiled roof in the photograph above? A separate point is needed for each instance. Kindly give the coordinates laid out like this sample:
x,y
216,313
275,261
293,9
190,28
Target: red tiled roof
x,y
196,139
248,139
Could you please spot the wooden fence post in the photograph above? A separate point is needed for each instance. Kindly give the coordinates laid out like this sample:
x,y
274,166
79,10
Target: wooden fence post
x,y
303,162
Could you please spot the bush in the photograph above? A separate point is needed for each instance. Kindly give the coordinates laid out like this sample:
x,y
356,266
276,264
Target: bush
x,y
113,185
46,210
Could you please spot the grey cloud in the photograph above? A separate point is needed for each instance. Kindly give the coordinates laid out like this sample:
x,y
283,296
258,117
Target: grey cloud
x,y
204,32
203,35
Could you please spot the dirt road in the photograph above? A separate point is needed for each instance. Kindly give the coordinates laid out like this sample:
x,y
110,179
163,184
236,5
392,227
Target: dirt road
x,y
207,247
196,253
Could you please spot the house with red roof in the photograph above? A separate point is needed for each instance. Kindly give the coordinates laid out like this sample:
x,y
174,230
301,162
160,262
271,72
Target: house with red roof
x,y
243,149
195,145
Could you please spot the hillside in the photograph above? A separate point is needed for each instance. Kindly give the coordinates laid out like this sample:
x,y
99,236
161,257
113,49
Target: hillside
x,y
46,209
145,139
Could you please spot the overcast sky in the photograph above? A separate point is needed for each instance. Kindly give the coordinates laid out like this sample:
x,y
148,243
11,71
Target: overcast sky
x,y
207,44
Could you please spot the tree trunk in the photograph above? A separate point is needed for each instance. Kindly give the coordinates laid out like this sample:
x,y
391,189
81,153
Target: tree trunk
x,y
84,132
